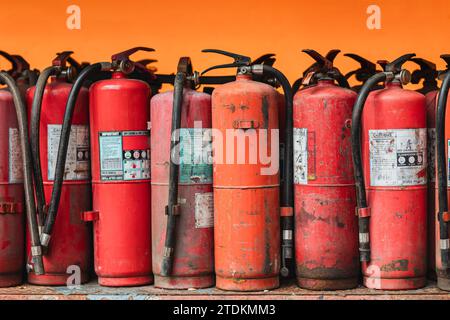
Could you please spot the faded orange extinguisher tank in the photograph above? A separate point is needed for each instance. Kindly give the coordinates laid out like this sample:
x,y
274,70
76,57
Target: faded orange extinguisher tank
x,y
12,206
393,217
71,239
246,190
326,232
193,261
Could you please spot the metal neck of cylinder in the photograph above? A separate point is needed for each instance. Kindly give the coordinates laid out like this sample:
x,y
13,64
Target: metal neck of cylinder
x,y
393,84
243,77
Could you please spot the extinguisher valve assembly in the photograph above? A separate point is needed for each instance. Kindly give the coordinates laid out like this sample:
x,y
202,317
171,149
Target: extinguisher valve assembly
x,y
246,67
392,72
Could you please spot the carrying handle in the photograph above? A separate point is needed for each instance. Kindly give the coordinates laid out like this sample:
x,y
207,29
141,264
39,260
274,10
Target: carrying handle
x,y
10,59
239,60
427,71
267,59
396,65
61,59
367,69
121,61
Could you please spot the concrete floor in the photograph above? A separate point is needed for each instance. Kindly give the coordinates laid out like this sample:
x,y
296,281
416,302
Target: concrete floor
x,y
288,291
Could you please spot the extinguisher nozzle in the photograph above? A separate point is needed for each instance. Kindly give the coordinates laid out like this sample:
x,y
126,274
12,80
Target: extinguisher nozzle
x,y
38,265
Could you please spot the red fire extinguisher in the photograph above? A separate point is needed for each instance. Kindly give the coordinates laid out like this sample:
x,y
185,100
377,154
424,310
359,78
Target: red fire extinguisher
x,y
308,77
246,196
442,161
430,88
120,148
16,180
69,250
389,154
367,69
326,229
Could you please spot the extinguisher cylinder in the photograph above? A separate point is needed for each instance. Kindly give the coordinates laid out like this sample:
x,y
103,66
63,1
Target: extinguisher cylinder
x,y
363,221
166,267
441,144
62,151
21,111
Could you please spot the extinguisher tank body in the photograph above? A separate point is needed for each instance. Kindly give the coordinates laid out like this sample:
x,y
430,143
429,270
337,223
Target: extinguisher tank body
x,y
12,207
246,192
326,237
394,158
193,265
121,181
71,243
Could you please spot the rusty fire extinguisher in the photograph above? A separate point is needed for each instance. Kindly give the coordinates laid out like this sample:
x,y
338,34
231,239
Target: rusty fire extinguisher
x,y
367,69
442,217
326,229
429,74
308,77
16,180
120,165
390,154
246,191
63,191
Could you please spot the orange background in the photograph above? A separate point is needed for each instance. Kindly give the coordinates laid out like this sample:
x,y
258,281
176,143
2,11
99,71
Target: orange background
x,y
37,30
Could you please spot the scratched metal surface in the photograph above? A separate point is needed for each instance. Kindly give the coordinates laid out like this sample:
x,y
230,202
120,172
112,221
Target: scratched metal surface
x,y
93,291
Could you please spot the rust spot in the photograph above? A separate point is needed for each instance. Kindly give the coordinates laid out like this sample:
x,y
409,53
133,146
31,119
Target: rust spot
x,y
244,107
396,265
230,107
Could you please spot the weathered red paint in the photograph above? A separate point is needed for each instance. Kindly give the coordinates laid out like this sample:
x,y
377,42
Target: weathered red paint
x,y
246,202
71,238
122,231
11,197
193,265
398,223
326,230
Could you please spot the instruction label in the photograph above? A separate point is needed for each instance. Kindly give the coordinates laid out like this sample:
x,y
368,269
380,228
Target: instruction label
x,y
77,161
124,155
398,157
204,210
300,156
15,165
195,156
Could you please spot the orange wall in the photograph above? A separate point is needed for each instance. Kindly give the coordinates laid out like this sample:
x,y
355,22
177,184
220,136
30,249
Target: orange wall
x,y
252,27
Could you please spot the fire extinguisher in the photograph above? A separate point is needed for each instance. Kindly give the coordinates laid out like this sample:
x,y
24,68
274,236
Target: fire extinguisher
x,y
308,78
326,229
442,159
389,152
16,180
246,192
367,70
120,165
430,88
61,200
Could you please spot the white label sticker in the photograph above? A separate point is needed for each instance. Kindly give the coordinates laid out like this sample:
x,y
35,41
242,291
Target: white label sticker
x,y
431,151
77,161
118,162
398,157
204,210
15,168
300,156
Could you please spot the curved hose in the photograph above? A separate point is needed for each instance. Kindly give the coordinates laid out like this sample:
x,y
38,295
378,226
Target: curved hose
x,y
172,207
441,143
287,194
21,111
34,137
363,219
342,81
62,151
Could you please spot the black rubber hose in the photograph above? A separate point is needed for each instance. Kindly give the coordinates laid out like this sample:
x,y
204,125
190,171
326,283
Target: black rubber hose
x,y
21,111
296,86
172,207
34,137
342,81
62,150
363,222
287,192
441,143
